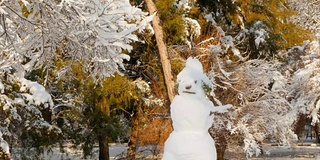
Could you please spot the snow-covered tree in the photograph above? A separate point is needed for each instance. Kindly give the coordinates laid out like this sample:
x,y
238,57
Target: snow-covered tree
x,y
192,27
42,34
25,115
37,33
308,15
257,89
263,110
304,92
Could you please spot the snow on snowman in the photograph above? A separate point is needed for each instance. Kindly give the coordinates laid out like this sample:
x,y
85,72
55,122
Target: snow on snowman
x,y
191,113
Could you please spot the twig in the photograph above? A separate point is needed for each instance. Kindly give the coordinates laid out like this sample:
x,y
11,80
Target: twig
x,y
22,17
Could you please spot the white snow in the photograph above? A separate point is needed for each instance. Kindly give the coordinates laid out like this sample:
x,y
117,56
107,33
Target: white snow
x,y
184,4
307,79
215,48
260,36
1,87
195,28
38,93
227,42
19,101
148,98
116,151
193,74
191,117
4,145
279,83
299,48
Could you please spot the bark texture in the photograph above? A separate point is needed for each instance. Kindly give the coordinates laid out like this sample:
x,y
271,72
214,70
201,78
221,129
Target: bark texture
x,y
103,147
163,52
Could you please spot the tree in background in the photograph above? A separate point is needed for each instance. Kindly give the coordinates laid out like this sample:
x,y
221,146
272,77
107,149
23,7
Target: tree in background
x,y
101,115
94,32
303,62
263,28
274,14
257,89
37,34
263,111
307,14
90,113
25,117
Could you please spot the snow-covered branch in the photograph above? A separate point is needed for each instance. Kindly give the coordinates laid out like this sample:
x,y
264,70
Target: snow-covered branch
x,y
94,32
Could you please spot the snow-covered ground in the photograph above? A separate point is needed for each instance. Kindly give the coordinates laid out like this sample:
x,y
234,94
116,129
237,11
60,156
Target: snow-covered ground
x,y
307,150
116,151
280,153
70,153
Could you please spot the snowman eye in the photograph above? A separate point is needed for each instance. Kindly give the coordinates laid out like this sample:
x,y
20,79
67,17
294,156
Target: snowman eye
x,y
195,81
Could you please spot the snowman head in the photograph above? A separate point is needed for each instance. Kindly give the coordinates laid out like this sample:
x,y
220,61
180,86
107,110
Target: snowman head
x,y
191,80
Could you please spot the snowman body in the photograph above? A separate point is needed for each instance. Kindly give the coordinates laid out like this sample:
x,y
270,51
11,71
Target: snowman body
x,y
191,118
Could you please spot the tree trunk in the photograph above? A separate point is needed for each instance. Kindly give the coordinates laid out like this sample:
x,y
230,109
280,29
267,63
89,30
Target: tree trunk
x,y
221,146
299,127
316,130
132,146
166,66
220,138
103,147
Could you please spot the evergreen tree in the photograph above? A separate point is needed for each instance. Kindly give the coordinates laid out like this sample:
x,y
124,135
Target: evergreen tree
x,y
263,28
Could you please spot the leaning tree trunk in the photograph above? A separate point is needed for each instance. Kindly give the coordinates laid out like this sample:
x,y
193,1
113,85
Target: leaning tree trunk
x,y
166,66
103,147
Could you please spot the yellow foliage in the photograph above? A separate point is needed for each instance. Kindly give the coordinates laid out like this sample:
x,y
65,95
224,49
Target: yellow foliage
x,y
275,13
294,35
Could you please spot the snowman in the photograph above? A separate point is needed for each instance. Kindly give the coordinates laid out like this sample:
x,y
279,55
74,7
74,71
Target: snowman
x,y
191,114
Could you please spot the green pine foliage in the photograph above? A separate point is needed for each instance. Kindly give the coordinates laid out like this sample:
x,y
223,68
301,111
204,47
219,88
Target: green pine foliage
x,y
172,21
222,7
99,109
